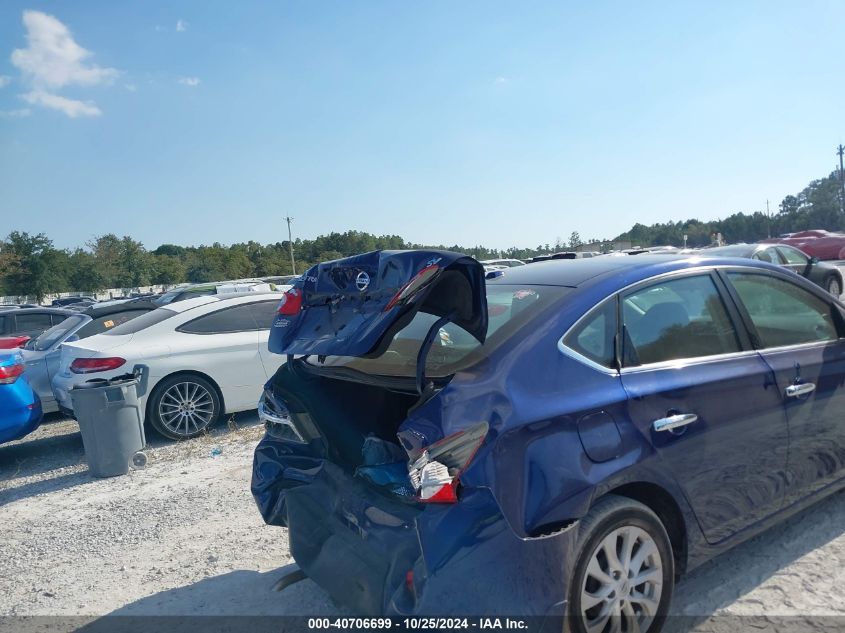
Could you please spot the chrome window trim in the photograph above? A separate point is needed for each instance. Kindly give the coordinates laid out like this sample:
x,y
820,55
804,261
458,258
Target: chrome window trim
x,y
675,363
568,351
683,363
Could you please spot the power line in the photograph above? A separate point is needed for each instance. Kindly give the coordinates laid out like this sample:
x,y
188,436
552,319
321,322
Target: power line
x,y
290,244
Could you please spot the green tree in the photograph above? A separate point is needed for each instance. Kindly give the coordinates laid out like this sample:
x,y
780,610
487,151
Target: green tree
x,y
33,267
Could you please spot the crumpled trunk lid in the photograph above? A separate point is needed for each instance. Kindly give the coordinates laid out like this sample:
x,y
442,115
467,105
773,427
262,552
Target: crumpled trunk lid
x,y
355,306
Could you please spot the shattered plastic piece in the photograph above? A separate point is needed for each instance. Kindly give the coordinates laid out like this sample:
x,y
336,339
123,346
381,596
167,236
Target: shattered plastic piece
x,y
216,451
433,477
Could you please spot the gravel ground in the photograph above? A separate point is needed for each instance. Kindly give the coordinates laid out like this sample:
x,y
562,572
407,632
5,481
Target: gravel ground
x,y
183,537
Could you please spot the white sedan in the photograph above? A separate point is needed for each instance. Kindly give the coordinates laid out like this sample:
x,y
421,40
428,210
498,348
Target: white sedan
x,y
206,356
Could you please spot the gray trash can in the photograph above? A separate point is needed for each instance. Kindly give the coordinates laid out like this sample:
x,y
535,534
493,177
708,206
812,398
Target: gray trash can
x,y
112,422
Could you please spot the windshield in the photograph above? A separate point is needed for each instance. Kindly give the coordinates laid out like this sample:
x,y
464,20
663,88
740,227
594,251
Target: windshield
x,y
509,308
50,337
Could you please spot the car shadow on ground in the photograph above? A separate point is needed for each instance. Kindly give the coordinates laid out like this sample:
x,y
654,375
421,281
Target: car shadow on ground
x,y
40,461
700,595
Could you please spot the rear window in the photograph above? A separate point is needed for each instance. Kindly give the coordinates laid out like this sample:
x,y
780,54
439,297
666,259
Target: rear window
x,y
509,307
142,322
108,322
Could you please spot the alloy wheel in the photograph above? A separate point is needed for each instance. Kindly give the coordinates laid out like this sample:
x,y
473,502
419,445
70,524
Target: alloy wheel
x,y
186,408
834,288
623,583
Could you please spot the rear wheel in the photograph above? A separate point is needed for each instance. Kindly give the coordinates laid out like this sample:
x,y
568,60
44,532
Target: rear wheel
x,y
624,572
183,406
834,286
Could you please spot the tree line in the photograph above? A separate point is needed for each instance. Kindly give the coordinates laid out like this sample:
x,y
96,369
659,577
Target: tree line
x,y
30,265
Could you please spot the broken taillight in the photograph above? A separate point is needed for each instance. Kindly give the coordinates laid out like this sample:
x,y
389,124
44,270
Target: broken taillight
x,y
10,373
291,302
435,473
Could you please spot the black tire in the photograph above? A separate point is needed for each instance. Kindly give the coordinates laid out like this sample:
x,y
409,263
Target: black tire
x,y
157,413
608,515
833,285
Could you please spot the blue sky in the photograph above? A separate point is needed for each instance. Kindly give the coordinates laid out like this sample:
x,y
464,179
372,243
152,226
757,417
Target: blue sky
x,y
445,122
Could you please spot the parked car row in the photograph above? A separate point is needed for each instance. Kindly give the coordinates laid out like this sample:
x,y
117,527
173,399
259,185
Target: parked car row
x,y
206,350
815,243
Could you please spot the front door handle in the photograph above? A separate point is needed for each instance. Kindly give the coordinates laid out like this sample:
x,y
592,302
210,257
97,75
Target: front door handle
x,y
674,421
793,391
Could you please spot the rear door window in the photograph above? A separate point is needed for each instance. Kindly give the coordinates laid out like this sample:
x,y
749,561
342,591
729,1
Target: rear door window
x,y
235,319
264,312
676,319
31,323
782,312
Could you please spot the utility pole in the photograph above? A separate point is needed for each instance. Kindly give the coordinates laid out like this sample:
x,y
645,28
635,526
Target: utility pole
x,y
768,221
290,244
841,150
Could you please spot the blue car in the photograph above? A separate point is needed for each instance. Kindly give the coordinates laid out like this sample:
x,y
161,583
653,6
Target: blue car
x,y
20,407
562,439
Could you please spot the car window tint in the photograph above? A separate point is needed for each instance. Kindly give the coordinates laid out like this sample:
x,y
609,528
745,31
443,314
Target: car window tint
x,y
792,256
767,255
264,312
782,312
681,318
108,322
142,322
593,336
236,319
36,322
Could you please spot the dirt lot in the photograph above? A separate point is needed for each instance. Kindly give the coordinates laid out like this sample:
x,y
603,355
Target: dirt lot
x,y
183,537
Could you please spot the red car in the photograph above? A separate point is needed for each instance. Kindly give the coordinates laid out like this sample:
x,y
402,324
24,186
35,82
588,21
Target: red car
x,y
815,242
11,342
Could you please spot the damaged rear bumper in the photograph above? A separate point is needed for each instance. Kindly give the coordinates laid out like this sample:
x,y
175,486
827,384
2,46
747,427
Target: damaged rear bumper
x,y
382,555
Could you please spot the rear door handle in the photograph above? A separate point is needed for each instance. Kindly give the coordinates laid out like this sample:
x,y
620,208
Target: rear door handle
x,y
793,391
674,421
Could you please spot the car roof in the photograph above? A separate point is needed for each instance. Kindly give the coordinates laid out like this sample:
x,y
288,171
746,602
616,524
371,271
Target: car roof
x,y
575,273
195,302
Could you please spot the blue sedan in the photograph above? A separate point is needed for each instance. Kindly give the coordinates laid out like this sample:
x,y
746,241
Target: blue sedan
x,y
20,407
575,433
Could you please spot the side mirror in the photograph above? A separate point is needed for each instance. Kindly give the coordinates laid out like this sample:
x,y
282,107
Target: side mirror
x,y
814,260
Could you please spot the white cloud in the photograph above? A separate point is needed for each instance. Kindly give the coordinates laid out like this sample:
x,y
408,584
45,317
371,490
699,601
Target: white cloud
x,y
131,87
53,60
193,82
15,114
159,28
500,80
71,107
5,80
181,25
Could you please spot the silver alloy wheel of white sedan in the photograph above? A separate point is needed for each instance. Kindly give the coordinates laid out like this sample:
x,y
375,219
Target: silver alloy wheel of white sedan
x,y
833,287
186,404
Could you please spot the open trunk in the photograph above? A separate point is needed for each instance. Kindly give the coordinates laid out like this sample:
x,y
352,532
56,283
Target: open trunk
x,y
339,415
